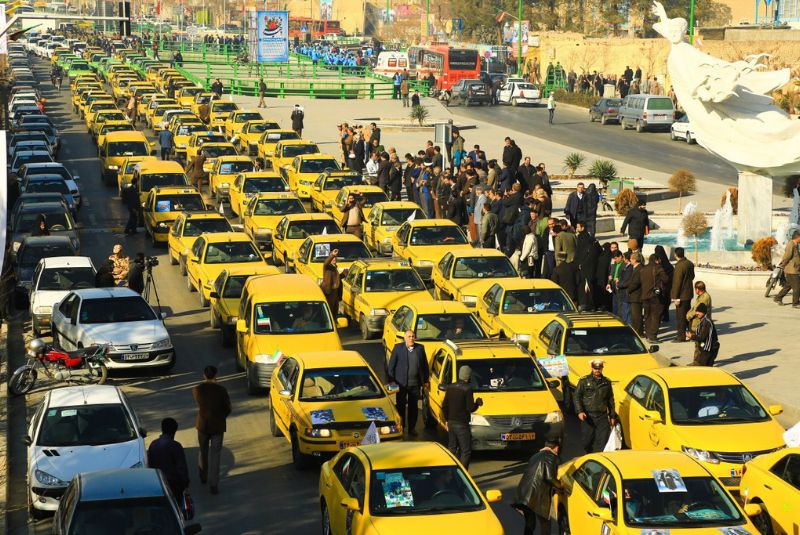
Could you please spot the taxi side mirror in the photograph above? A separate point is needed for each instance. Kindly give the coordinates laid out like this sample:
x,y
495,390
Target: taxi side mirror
x,y
775,409
214,295
399,335
342,322
241,326
653,416
653,348
285,393
442,387
152,152
603,514
351,504
753,509
554,383
493,495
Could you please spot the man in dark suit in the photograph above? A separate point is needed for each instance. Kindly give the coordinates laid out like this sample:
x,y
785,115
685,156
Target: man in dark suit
x,y
633,285
566,276
408,369
213,407
166,454
681,292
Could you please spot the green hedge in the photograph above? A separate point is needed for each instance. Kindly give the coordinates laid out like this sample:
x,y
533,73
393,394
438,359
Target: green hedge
x,y
576,99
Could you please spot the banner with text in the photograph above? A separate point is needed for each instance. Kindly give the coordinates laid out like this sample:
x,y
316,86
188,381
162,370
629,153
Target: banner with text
x,y
273,36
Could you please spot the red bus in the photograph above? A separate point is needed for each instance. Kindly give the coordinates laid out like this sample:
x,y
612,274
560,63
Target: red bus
x,y
300,26
448,65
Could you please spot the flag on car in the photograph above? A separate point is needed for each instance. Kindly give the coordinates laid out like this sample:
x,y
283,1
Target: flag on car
x,y
372,436
412,216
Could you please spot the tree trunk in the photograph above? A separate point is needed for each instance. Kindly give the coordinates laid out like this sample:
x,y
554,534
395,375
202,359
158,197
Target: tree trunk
x,y
680,201
695,249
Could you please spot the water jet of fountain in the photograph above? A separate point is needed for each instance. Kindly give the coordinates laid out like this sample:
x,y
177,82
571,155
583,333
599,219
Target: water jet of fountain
x,y
722,228
690,207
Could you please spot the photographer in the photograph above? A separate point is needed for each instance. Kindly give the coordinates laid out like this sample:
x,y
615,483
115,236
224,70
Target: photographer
x,y
136,274
353,214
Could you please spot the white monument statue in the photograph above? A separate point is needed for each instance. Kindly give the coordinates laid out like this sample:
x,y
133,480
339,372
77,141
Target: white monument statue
x,y
733,116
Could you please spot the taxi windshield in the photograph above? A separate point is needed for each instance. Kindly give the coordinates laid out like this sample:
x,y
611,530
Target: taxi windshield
x,y
448,327
534,301
317,166
393,280
348,251
256,185
224,106
219,150
128,148
669,501
110,116
340,384
195,227
231,168
231,252
292,317
210,138
300,230
234,286
258,128
483,267
274,137
278,207
105,129
505,375
189,129
397,216
443,235
151,180
290,151
421,491
706,405
190,202
338,182
603,341
372,197
244,117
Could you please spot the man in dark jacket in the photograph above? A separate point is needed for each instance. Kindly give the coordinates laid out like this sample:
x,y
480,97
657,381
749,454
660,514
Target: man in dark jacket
x,y
681,292
136,274
587,251
105,275
633,286
383,172
566,276
213,408
130,198
297,119
457,407
512,156
637,223
166,454
535,488
654,284
575,208
408,369
594,405
705,337
526,173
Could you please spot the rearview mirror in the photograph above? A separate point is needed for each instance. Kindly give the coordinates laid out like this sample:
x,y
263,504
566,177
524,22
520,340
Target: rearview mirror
x,y
399,335
775,409
241,326
603,514
143,432
27,440
163,315
342,322
653,416
351,504
285,393
442,387
753,509
214,295
553,383
654,348
493,495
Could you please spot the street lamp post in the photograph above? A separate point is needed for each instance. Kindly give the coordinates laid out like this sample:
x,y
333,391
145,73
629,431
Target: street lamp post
x,y
691,24
428,18
519,37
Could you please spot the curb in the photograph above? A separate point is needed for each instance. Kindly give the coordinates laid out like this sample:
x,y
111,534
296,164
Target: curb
x,y
3,426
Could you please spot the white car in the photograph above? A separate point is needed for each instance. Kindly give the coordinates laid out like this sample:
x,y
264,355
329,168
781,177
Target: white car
x,y
682,129
517,93
116,316
79,429
53,279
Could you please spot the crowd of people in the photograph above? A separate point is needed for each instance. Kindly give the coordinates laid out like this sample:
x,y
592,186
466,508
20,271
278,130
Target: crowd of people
x,y
333,55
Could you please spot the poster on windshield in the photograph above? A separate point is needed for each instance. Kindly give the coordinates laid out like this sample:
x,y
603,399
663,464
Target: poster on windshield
x,y
4,39
272,30
554,366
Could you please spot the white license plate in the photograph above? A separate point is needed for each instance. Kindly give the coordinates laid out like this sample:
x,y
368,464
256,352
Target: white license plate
x,y
135,356
660,115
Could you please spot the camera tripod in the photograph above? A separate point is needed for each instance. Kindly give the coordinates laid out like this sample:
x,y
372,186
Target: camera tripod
x,y
150,283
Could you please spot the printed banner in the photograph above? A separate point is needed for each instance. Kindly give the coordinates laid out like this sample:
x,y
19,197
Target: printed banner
x,y
4,39
273,37
326,9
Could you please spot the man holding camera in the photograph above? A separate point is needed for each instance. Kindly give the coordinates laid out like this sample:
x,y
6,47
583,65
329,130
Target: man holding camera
x,y
136,274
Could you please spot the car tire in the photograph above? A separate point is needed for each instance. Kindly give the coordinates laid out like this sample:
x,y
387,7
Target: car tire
x,y
603,120
622,123
189,285
204,303
299,460
274,430
639,127
326,520
763,522
275,258
172,260
689,139
672,135
563,523
213,321
514,102
362,326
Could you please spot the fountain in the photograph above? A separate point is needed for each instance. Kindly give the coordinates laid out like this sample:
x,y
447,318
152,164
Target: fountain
x,y
680,240
794,218
722,228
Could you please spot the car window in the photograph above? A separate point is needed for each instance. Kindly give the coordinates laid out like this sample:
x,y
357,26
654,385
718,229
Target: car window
x,y
655,401
358,483
140,514
344,469
231,252
788,469
449,326
589,477
66,278
338,384
400,316
197,248
438,362
286,371
292,317
638,388
447,371
554,348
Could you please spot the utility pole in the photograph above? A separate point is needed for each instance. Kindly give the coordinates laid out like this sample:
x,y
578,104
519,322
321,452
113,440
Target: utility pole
x,y
519,36
691,24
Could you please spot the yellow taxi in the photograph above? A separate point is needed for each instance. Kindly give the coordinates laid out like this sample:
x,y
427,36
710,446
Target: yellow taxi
x,y
464,274
279,316
327,186
85,89
151,73
224,170
154,104
187,227
164,205
218,112
374,288
292,230
121,84
315,249
96,106
383,221
112,126
286,151
304,170
269,139
264,211
581,338
646,492
325,401
186,96
150,174
772,480
117,147
705,412
515,308
197,140
401,488
248,134
102,116
204,97
210,254
424,242
213,151
125,174
183,132
226,297
519,410
156,122
236,120
247,185
367,196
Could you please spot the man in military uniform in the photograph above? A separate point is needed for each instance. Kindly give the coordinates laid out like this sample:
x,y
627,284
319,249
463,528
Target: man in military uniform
x,y
594,405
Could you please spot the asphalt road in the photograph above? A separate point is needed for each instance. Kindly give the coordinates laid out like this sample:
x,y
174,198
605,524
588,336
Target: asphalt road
x,y
571,127
261,493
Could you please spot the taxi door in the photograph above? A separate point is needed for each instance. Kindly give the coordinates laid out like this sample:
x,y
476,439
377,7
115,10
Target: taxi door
x,y
488,309
243,336
302,264
594,488
336,211
173,240
282,389
436,395
400,240
236,196
349,481
278,241
631,412
441,278
369,225
351,289
395,327
655,429
193,263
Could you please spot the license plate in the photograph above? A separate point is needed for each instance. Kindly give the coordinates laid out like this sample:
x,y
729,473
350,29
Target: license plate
x,y
736,472
517,436
135,356
343,445
660,115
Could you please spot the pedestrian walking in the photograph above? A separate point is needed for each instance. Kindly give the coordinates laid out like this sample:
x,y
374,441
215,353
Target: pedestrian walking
x,y
214,406
166,454
262,92
404,92
130,198
331,284
297,119
408,369
637,224
594,404
536,488
654,285
701,295
791,270
166,139
681,292
705,338
217,88
457,408
551,108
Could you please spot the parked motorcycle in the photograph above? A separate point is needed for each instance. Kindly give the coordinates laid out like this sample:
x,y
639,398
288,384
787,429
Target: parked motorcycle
x,y
84,366
775,278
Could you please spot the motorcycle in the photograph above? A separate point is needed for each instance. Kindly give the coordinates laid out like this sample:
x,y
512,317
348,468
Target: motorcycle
x,y
774,278
84,366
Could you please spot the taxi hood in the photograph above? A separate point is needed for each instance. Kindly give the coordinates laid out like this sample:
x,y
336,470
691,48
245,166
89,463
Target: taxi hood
x,y
507,403
393,300
292,344
478,287
483,522
362,410
733,437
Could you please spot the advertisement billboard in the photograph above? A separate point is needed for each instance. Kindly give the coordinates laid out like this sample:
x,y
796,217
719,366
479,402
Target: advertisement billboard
x,y
272,29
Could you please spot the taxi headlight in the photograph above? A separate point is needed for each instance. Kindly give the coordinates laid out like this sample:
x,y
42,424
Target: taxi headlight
x,y
46,479
378,312
162,344
317,433
43,310
469,300
162,225
477,419
521,338
701,455
554,417
232,320
389,429
425,263
319,281
113,167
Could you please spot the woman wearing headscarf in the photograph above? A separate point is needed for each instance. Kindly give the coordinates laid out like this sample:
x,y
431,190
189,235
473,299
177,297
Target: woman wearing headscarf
x,y
603,299
121,264
666,265
40,227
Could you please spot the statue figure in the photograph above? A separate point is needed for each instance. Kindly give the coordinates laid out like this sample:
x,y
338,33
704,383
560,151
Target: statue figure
x,y
730,107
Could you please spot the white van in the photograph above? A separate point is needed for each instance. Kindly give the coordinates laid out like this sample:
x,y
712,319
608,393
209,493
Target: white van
x,y
647,112
391,62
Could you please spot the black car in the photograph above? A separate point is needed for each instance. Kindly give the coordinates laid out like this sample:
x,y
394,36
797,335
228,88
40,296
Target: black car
x,y
26,258
605,110
468,92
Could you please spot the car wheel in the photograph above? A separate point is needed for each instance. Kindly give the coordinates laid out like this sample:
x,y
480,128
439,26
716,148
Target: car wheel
x,y
275,258
362,326
639,127
672,135
763,522
214,319
273,426
603,120
563,523
204,302
689,139
326,520
514,102
622,123
299,460
189,285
